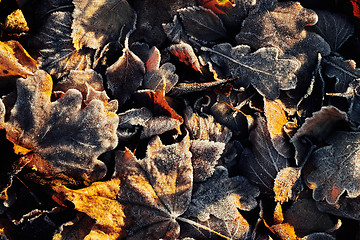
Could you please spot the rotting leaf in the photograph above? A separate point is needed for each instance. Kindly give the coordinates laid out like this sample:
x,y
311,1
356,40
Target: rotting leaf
x,y
98,22
58,56
53,136
125,75
263,69
336,168
15,61
108,213
334,28
263,163
202,24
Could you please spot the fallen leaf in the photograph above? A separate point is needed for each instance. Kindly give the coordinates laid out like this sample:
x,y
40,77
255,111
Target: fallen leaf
x,y
216,5
264,69
344,71
75,229
185,53
287,184
336,168
334,28
108,213
161,78
276,119
262,163
202,23
98,22
53,41
15,61
156,190
53,135
16,22
125,75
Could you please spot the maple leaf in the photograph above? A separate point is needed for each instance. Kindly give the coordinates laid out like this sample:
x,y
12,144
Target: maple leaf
x,y
98,22
263,69
336,168
108,213
15,61
58,56
125,75
157,188
53,135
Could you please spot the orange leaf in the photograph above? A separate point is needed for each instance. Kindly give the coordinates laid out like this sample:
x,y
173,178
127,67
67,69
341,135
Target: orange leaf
x,y
356,7
215,5
15,61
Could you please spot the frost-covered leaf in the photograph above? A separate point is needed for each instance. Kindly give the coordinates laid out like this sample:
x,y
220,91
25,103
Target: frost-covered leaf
x,y
15,61
76,229
98,22
221,197
205,128
205,155
334,28
287,184
108,213
282,25
319,236
60,137
58,56
156,190
344,71
125,75
215,5
229,116
263,69
276,119
316,129
88,82
306,218
263,163
336,168
185,53
202,23
161,78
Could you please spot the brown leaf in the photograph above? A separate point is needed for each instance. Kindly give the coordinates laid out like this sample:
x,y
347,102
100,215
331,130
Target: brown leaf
x,y
284,231
125,75
185,53
157,189
58,56
287,184
15,61
75,229
98,22
16,22
54,135
108,213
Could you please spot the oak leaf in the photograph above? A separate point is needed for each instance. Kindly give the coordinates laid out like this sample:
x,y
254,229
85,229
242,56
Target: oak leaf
x,y
54,135
264,69
336,168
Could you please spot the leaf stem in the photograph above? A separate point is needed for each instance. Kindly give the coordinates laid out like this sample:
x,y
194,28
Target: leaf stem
x,y
191,222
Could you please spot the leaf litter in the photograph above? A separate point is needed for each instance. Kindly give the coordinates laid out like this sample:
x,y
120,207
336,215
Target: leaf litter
x,y
216,119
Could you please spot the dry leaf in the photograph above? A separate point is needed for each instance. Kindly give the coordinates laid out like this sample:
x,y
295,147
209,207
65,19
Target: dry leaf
x,y
264,69
202,24
287,184
336,168
99,22
185,53
53,135
108,213
125,75
15,61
